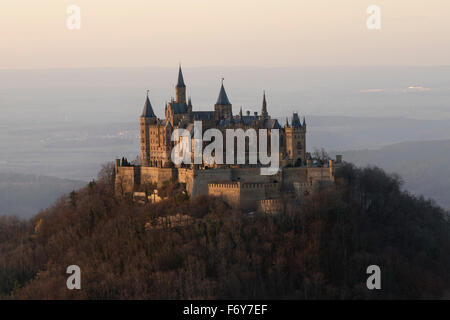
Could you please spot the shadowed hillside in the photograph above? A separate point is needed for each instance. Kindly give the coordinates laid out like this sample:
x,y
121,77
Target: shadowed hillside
x,y
317,249
424,166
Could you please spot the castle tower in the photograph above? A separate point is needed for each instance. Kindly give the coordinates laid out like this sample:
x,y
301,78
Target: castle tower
x,y
296,141
180,88
223,105
264,113
147,119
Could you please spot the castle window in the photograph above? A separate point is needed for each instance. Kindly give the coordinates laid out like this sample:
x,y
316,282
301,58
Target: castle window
x,y
299,145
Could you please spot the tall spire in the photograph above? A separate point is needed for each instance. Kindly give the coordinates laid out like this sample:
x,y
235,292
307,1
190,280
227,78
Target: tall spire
x,y
223,98
147,112
180,88
180,78
264,113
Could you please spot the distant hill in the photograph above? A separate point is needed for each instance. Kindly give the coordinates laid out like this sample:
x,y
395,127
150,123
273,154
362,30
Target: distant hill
x,y
423,165
25,194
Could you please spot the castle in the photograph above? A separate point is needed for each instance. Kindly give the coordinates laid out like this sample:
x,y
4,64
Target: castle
x,y
240,185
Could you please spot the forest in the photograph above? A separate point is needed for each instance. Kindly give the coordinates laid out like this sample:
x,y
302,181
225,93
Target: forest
x,y
319,248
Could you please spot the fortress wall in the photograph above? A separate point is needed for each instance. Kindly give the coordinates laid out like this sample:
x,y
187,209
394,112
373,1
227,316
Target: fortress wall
x,y
197,182
250,194
125,180
253,175
200,178
149,175
229,192
318,174
291,175
157,175
271,206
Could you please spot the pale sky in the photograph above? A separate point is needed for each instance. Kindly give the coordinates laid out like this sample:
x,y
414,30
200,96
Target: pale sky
x,y
138,33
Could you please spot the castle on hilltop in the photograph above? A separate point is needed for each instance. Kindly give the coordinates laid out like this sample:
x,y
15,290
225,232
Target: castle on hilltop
x,y
240,185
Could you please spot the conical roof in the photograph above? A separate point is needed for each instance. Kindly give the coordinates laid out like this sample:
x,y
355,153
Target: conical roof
x,y
147,112
223,98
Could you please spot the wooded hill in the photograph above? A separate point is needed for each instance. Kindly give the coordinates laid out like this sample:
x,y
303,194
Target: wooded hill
x,y
317,249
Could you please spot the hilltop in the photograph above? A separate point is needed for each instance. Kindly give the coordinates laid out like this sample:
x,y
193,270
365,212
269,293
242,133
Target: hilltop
x,y
318,249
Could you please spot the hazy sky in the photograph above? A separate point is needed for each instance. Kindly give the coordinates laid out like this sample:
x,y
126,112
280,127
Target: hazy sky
x,y
134,33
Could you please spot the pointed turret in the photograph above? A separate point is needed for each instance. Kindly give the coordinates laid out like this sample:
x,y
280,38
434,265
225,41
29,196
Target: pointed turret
x,y
223,98
147,112
180,82
304,121
180,88
264,113
296,121
223,105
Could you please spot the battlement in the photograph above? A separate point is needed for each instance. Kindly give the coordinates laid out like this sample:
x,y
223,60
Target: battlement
x,y
225,185
271,206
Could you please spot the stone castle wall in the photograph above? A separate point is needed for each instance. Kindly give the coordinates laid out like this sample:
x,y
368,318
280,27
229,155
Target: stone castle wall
x,y
270,206
240,187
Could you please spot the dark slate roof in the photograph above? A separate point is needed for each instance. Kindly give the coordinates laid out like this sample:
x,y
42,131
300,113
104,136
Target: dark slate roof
x,y
296,121
248,120
225,122
148,110
203,115
180,78
223,98
178,107
272,124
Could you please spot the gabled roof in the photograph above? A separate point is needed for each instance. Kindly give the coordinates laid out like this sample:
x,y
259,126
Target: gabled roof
x,y
223,98
272,124
147,112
